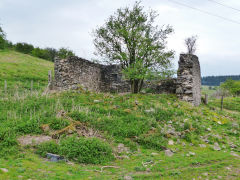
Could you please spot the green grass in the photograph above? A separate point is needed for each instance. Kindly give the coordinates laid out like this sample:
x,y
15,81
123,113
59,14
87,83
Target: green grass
x,y
20,69
142,122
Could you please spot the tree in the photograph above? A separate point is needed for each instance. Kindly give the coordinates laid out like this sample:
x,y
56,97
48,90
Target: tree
x,y
190,43
24,48
52,53
129,37
64,53
2,39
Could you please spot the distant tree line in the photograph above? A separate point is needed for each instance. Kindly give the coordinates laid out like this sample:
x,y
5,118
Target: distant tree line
x,y
45,53
217,80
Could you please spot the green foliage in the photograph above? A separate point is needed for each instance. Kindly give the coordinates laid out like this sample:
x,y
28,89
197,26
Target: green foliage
x,y
82,150
232,86
48,147
2,39
130,38
86,150
64,53
24,48
40,53
58,123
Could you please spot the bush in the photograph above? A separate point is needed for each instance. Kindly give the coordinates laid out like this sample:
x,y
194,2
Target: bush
x,y
24,48
2,39
41,53
86,150
48,147
82,150
64,53
57,123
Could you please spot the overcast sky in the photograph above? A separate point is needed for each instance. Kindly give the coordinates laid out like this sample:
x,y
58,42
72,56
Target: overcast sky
x,y
69,23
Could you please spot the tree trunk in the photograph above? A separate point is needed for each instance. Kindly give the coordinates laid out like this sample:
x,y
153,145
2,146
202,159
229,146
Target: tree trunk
x,y
135,86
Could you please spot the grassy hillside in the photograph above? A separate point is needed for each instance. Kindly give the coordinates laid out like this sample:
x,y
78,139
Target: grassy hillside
x,y
113,136
20,69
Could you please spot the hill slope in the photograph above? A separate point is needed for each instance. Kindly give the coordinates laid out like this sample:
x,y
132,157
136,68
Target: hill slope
x,y
143,136
20,69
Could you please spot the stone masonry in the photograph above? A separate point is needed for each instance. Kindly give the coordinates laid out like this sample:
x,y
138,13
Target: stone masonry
x,y
77,73
189,79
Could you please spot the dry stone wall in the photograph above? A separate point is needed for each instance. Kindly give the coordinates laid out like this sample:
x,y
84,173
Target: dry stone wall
x,y
189,79
75,73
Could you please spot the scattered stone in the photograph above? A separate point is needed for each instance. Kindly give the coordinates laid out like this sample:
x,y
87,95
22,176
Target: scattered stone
x,y
45,127
54,157
168,153
128,178
205,174
169,122
190,154
154,154
219,177
219,122
209,129
121,148
4,170
233,146
183,144
202,145
170,142
228,168
96,101
235,125
216,147
235,154
151,110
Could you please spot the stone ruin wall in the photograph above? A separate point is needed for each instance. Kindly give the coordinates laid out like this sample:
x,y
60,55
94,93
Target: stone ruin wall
x,y
189,79
77,73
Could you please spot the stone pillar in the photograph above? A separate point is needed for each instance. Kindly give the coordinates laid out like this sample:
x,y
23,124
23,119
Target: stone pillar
x,y
189,79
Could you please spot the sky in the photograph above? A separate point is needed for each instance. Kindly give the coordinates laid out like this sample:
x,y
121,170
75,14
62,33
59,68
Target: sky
x,y
70,23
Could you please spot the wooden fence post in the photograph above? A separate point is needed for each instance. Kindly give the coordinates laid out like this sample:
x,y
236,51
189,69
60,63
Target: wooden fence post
x,y
221,103
206,99
31,86
49,77
5,87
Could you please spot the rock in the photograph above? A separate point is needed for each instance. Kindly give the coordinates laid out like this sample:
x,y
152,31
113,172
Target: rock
x,y
228,168
121,148
202,145
154,154
216,147
234,154
127,178
219,177
219,122
96,101
168,153
205,174
151,110
233,146
170,142
235,125
183,144
209,129
45,127
54,157
190,154
4,170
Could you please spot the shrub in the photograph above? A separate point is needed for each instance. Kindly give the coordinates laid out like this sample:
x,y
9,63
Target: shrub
x,y
57,124
86,150
48,147
24,48
82,150
41,53
64,53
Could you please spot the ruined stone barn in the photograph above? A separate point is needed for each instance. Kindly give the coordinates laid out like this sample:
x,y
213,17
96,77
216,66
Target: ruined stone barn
x,y
77,73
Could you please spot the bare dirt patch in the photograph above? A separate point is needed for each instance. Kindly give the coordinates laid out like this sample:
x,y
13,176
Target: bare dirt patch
x,y
33,140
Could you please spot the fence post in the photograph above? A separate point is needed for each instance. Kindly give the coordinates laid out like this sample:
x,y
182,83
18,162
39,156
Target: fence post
x,y
49,77
31,86
221,103
206,99
5,87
